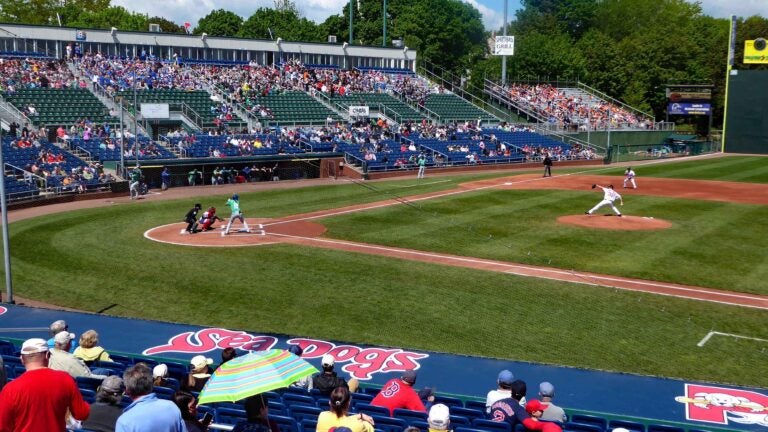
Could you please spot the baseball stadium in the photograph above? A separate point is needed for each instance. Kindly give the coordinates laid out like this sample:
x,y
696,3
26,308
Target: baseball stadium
x,y
413,214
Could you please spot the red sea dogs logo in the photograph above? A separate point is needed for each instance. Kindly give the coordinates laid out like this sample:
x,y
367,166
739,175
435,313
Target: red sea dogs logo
x,y
212,339
3,310
722,405
363,362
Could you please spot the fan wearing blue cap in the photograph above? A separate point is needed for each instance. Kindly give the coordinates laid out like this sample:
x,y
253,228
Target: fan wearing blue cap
x,y
234,205
504,390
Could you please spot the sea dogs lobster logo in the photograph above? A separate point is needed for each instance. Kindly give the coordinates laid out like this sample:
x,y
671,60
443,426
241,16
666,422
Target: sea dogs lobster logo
x,y
362,363
723,405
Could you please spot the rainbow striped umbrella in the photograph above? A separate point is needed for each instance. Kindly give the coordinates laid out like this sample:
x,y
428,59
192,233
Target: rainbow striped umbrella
x,y
254,373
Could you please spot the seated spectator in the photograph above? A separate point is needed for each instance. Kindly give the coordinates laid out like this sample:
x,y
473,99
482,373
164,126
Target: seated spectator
x,y
511,411
55,328
439,418
89,351
160,375
337,417
399,393
187,404
552,411
199,374
106,409
257,417
228,354
147,412
504,382
39,386
326,381
535,409
306,382
61,359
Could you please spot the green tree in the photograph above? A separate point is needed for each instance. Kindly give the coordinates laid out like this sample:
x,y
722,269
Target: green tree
x,y
167,26
271,23
113,16
220,23
39,12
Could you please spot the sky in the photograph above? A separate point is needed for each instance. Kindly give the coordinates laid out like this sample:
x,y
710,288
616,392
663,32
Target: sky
x,y
181,11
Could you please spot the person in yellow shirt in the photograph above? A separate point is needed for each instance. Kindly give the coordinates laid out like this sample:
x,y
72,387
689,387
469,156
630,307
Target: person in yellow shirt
x,y
338,416
89,350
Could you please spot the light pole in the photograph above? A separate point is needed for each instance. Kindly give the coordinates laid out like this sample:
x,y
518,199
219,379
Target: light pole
x,y
6,245
135,118
122,142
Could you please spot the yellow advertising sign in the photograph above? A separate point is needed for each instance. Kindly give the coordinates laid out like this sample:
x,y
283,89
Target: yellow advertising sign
x,y
756,51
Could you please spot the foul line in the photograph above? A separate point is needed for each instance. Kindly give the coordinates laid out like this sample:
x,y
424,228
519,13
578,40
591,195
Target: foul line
x,y
588,278
709,335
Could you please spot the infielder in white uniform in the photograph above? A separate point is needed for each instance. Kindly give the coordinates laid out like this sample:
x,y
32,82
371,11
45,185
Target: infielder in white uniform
x,y
608,199
629,177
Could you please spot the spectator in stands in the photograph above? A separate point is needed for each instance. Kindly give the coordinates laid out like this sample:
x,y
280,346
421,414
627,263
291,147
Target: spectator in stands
x,y
106,409
187,404
89,350
147,412
509,409
199,373
399,393
439,418
61,359
535,410
39,399
552,412
327,380
228,354
338,416
306,382
160,375
55,328
257,417
504,390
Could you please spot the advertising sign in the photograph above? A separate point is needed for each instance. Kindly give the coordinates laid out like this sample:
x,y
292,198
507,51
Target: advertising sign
x,y
504,46
689,109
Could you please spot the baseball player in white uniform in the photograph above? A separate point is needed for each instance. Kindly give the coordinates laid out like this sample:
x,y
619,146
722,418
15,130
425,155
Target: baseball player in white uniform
x,y
608,199
629,177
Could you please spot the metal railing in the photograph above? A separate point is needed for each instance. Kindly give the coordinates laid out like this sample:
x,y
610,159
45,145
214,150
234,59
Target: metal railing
x,y
598,93
492,90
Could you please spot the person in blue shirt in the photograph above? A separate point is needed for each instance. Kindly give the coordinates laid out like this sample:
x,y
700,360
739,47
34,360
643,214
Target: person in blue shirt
x,y
147,412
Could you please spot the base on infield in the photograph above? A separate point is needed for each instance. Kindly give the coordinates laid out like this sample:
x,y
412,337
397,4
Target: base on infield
x,y
269,232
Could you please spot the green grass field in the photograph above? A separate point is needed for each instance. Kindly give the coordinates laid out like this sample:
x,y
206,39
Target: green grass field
x,y
90,259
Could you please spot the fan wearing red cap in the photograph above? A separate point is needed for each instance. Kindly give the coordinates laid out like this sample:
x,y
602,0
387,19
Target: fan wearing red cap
x,y
535,409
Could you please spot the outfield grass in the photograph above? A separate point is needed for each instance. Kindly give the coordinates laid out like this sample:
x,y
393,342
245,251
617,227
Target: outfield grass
x,y
90,259
749,169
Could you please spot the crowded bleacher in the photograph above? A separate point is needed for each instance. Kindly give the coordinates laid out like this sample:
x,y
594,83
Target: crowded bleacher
x,y
97,389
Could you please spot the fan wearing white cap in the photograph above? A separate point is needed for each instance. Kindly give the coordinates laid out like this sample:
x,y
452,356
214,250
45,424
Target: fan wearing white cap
x,y
38,400
57,327
200,371
327,380
63,360
439,418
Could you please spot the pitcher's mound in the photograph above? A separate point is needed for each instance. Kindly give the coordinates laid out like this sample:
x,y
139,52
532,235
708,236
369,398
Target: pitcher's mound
x,y
612,222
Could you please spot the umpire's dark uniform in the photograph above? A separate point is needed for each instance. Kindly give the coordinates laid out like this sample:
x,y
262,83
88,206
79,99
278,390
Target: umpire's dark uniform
x,y
191,219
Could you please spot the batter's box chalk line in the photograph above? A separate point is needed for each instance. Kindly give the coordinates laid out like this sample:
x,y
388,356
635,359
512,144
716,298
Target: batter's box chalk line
x,y
709,335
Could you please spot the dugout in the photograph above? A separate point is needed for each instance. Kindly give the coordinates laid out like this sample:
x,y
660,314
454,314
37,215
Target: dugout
x,y
746,119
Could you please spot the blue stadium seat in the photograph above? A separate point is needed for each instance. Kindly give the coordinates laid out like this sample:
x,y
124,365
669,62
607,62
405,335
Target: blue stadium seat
x,y
600,422
287,424
7,348
88,395
229,415
291,398
469,413
308,425
116,366
626,424
389,424
164,392
409,415
302,412
449,401
467,429
372,410
278,408
457,420
88,382
579,427
490,425
361,397
273,396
